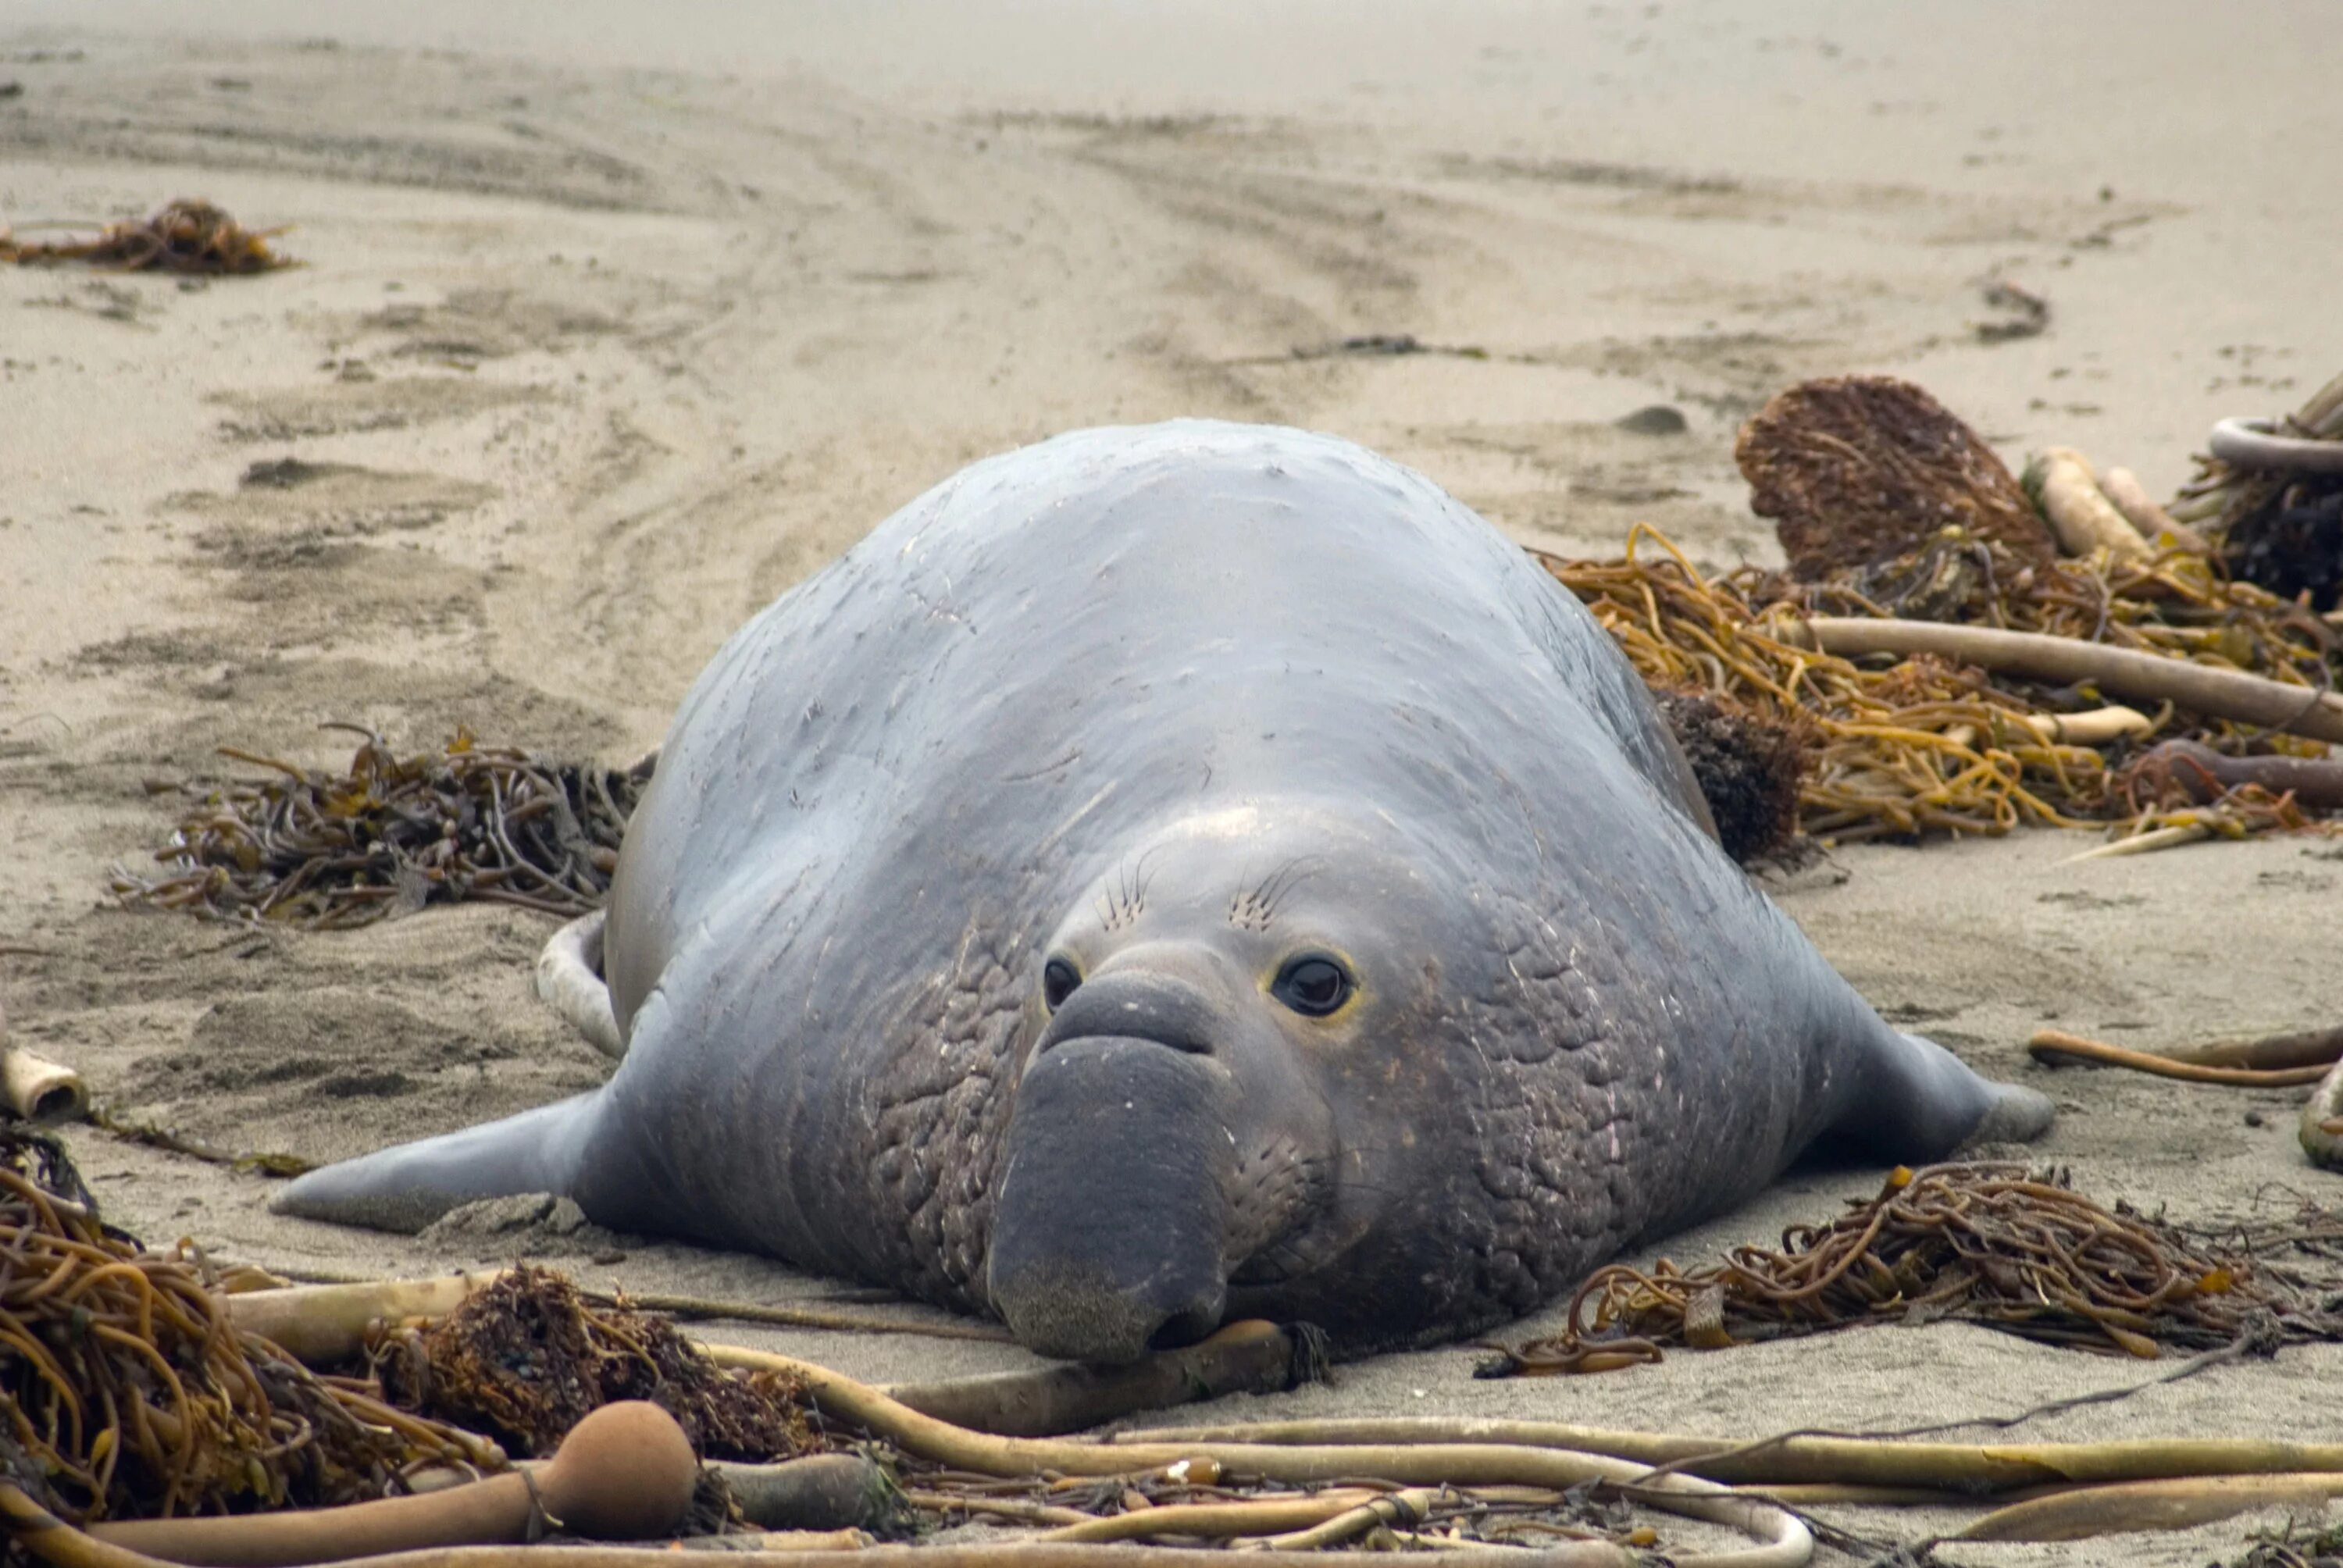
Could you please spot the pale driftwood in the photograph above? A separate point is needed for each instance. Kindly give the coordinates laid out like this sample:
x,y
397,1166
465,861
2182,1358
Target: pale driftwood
x,y
1782,1540
1972,1468
2321,1131
2122,487
1247,1357
2176,1505
2080,513
39,1090
2097,728
2051,1046
324,1325
2124,672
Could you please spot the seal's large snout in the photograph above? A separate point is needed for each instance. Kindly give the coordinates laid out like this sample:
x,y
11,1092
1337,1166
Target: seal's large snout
x,y
1112,1214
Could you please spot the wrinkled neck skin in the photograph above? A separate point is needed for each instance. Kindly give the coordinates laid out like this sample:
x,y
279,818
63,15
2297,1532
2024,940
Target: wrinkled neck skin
x,y
1185,1145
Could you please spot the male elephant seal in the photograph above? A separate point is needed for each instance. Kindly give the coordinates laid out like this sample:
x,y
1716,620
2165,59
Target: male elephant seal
x,y
1173,873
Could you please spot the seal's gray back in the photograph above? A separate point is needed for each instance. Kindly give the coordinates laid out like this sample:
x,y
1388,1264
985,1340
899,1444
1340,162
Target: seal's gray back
x,y
1232,607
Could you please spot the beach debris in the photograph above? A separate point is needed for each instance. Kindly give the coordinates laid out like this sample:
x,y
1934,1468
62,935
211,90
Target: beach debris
x,y
2316,1545
2273,1061
1749,766
2023,313
2248,1067
527,1358
1984,1242
626,1473
1249,1356
2062,483
36,1089
2270,498
2202,689
39,1090
129,1392
1936,740
1477,1490
181,236
2146,515
1654,420
1956,672
1858,469
392,835
820,1492
171,1140
2186,772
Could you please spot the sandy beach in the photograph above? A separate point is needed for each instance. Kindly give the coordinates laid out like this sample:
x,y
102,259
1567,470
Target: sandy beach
x,y
614,324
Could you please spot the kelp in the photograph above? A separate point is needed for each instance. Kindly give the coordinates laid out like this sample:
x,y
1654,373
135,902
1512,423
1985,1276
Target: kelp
x,y
1921,744
392,835
1983,1243
182,236
126,1391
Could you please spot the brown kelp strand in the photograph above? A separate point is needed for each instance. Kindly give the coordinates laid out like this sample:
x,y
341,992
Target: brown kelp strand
x,y
391,835
126,1391
1921,744
183,236
1971,1242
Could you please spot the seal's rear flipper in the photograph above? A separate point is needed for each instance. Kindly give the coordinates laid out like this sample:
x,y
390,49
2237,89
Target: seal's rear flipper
x,y
406,1187
569,979
1916,1101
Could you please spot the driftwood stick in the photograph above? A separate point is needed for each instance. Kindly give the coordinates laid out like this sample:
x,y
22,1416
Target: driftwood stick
x,y
1248,1357
325,1325
2056,1047
2124,672
2174,1504
1972,1468
1782,1540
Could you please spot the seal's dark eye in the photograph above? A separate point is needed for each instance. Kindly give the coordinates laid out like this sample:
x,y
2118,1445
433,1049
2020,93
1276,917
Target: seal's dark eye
x,y
1059,979
1313,985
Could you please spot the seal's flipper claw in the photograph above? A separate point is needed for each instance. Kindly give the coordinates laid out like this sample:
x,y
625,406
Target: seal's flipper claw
x,y
2018,1115
406,1187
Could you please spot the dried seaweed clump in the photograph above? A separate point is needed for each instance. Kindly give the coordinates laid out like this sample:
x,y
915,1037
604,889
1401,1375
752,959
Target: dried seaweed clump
x,y
529,1357
1749,768
1857,470
125,1391
392,834
185,236
1984,1244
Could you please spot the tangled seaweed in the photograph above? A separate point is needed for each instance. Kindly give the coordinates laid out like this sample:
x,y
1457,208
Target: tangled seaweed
x,y
1923,745
2281,529
1749,766
1971,1242
392,835
125,1391
183,236
528,1358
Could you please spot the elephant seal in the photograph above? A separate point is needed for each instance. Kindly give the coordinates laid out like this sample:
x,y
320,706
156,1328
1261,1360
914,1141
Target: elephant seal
x,y
1171,872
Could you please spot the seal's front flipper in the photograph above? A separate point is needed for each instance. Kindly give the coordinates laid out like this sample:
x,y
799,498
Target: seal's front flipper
x,y
406,1187
1916,1101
